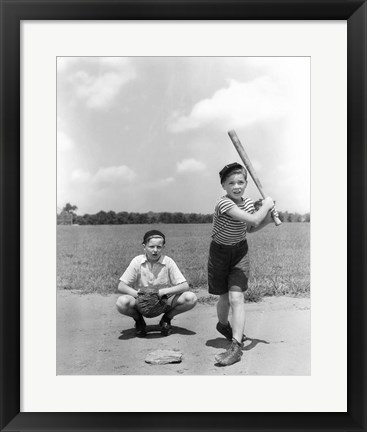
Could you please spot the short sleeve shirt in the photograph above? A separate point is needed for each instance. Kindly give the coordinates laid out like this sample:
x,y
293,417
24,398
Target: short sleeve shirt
x,y
162,274
226,230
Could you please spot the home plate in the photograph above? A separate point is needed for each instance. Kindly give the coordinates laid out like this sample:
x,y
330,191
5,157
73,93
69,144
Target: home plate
x,y
160,357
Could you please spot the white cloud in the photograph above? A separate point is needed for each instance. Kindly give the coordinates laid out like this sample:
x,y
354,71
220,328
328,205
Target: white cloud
x,y
238,105
80,175
99,91
64,142
115,174
105,175
166,181
160,183
190,165
97,80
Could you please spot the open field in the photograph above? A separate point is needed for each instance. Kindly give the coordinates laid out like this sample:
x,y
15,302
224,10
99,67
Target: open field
x,y
94,339
90,259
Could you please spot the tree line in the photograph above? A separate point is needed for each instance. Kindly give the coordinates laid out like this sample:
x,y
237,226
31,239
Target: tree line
x,y
68,216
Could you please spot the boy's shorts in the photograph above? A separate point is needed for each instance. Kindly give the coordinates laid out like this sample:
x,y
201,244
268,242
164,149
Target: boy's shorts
x,y
228,266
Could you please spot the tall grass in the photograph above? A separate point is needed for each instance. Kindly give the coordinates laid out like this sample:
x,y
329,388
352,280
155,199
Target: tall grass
x,y
92,258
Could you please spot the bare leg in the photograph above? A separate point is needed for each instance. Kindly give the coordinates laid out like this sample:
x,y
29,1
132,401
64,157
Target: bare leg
x,y
126,305
182,303
236,299
223,308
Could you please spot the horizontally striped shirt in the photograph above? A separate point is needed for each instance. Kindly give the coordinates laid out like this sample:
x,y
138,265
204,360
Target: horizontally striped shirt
x,y
226,230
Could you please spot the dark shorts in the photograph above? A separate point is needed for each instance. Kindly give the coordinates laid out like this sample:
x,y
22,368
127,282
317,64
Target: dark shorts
x,y
228,266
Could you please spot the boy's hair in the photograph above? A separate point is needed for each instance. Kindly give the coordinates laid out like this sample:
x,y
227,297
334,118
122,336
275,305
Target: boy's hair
x,y
153,234
233,168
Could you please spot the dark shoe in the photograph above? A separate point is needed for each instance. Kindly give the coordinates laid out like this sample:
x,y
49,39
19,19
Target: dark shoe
x,y
226,331
231,356
140,326
165,323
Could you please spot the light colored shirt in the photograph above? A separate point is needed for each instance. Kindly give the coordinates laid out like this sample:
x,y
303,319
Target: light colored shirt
x,y
143,274
226,230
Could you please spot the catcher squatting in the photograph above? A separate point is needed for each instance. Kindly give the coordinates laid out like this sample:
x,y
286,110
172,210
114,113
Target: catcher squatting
x,y
153,284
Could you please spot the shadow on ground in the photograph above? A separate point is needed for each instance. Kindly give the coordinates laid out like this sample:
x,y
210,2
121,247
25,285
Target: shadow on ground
x,y
224,343
154,332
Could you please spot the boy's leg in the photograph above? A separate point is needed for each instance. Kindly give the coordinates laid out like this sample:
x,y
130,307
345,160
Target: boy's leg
x,y
126,305
223,308
223,326
178,304
237,302
181,303
234,352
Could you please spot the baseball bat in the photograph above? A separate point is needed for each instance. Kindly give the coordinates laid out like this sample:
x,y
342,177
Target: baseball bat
x,y
246,160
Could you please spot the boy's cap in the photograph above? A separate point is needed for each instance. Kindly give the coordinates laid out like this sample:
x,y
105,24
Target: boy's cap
x,y
153,233
223,174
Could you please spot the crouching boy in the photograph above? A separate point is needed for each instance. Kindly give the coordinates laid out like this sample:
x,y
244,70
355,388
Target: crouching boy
x,y
153,283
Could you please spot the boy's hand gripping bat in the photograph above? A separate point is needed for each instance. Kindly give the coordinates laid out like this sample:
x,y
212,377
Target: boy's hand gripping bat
x,y
245,159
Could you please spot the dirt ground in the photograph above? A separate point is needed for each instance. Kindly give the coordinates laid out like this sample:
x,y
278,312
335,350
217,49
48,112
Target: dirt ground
x,y
94,339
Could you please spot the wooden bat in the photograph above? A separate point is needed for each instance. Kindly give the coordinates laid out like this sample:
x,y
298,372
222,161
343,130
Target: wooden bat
x,y
246,160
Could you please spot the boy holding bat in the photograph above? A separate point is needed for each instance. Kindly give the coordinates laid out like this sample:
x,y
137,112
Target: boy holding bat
x,y
228,263
153,285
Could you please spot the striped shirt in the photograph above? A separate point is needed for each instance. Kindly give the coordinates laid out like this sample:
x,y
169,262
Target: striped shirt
x,y
226,230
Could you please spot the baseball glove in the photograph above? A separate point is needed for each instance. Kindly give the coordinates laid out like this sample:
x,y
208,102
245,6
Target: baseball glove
x,y
149,304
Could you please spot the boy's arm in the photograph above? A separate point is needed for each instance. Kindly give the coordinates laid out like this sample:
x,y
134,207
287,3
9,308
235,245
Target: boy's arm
x,y
125,289
253,219
129,276
178,280
268,219
177,289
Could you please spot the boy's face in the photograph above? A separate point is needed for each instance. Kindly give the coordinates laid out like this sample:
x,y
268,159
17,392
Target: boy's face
x,y
154,248
235,185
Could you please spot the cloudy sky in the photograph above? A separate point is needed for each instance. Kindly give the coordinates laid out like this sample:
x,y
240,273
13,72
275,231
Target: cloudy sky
x,y
150,133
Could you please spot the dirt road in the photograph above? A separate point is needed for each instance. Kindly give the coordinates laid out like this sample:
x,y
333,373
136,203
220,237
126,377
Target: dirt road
x,y
94,339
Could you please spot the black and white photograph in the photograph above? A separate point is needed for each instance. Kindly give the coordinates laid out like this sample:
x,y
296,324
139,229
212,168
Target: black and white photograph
x,y
183,216
205,163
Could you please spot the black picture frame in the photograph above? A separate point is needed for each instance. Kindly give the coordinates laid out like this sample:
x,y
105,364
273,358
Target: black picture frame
x,y
12,12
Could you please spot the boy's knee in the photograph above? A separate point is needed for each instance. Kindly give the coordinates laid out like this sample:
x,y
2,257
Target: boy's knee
x,y
236,299
189,299
123,303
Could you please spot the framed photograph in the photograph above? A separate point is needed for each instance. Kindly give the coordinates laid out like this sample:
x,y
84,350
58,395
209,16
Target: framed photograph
x,y
120,116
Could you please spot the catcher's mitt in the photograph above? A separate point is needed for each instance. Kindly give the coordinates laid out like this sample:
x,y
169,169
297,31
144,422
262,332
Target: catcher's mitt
x,y
149,304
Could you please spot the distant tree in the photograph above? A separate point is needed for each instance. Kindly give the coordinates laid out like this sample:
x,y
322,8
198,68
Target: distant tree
x,y
142,218
122,217
133,218
282,216
165,217
70,210
111,218
101,218
178,217
152,218
290,217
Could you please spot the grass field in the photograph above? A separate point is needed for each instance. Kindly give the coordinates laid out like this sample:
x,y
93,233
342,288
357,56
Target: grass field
x,y
92,258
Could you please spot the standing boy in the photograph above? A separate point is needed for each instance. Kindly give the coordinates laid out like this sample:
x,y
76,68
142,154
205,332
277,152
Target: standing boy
x,y
228,264
158,274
